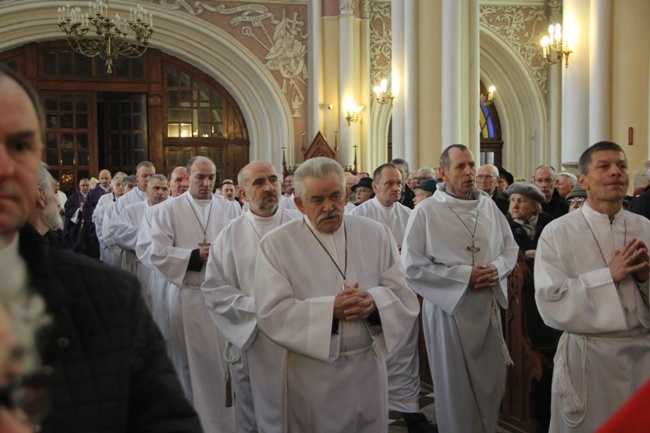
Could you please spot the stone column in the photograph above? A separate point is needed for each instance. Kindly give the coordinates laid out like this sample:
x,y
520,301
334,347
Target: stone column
x,y
346,80
600,71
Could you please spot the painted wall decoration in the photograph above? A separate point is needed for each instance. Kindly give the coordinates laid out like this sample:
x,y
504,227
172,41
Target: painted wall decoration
x,y
380,41
520,27
277,34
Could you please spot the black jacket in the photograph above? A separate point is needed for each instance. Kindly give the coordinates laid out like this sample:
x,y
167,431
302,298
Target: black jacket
x,y
110,369
519,233
557,206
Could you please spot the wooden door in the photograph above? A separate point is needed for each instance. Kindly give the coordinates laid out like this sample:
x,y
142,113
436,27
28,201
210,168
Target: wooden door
x,y
123,141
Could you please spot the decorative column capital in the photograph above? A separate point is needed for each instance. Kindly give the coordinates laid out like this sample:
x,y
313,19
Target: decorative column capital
x,y
365,9
346,6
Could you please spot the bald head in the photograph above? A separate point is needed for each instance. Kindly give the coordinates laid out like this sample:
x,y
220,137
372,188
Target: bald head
x,y
105,178
261,187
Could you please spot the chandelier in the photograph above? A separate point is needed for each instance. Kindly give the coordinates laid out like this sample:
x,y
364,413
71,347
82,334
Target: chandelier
x,y
95,34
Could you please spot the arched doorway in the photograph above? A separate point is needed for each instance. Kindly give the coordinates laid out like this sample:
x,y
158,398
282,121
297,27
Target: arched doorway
x,y
156,108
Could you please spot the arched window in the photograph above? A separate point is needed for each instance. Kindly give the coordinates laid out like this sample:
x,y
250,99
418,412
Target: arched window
x,y
490,127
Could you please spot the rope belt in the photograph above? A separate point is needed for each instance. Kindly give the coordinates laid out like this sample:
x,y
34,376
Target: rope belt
x,y
562,383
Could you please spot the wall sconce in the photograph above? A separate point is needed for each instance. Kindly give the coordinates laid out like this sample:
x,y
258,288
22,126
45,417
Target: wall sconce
x,y
487,100
352,110
553,48
381,93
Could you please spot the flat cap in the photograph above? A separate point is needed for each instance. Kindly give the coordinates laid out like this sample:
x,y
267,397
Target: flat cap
x,y
576,192
527,189
428,185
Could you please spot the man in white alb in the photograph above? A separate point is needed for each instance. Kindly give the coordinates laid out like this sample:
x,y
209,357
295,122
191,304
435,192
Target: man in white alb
x,y
330,290
166,297
457,254
255,361
125,229
182,230
597,294
402,363
143,171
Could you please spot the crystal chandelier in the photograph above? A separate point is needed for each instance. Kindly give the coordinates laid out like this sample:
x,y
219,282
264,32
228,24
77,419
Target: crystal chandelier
x,y
95,34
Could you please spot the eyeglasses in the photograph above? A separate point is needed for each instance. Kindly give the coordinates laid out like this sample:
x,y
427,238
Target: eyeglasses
x,y
418,178
576,200
484,176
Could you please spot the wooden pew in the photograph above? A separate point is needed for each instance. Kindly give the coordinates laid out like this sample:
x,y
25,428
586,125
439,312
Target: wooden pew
x,y
526,404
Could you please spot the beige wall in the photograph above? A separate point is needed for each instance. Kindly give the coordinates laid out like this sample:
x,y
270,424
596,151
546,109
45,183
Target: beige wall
x,y
630,77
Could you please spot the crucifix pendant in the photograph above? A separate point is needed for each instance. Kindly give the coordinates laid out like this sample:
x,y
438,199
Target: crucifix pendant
x,y
473,249
205,243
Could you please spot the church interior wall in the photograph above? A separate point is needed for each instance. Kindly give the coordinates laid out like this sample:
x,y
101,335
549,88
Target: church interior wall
x,y
630,78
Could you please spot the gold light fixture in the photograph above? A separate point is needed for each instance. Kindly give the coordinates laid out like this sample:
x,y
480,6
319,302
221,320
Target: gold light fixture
x,y
94,34
488,99
554,48
382,95
352,111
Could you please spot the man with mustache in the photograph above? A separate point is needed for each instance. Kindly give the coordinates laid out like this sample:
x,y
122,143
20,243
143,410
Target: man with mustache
x,y
403,362
254,360
597,294
457,254
330,291
182,231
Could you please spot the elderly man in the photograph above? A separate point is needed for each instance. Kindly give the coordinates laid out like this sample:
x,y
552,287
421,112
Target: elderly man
x,y
182,230
598,296
457,254
178,181
565,182
126,227
100,209
107,367
423,174
330,290
424,190
403,363
487,180
255,362
46,218
73,226
544,179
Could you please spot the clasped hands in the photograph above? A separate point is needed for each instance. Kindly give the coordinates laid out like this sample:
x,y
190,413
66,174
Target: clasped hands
x,y
353,304
483,277
632,260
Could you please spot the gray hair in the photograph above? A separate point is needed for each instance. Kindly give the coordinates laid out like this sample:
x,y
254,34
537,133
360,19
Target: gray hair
x,y
431,174
572,177
546,166
319,167
402,162
116,178
159,177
